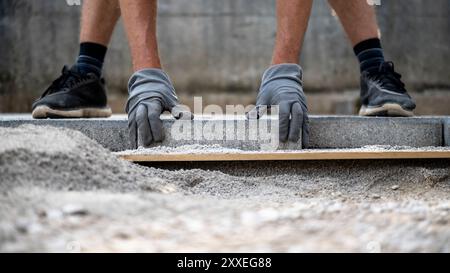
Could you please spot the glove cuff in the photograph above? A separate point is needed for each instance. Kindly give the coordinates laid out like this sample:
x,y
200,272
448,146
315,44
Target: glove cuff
x,y
283,71
151,83
148,74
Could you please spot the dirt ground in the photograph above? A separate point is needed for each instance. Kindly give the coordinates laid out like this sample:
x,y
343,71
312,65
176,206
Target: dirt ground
x,y
61,191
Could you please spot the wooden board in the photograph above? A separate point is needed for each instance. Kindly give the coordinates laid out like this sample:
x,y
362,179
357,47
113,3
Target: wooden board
x,y
279,155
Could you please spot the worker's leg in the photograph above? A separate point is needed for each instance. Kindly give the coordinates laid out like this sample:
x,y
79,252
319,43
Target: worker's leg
x,y
80,91
292,22
98,21
358,18
150,89
140,23
382,91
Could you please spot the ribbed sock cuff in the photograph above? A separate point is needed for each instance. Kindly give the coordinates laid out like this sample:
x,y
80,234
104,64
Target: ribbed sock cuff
x,y
86,64
91,57
93,50
370,54
367,44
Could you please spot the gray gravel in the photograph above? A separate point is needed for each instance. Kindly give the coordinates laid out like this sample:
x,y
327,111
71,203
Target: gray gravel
x,y
61,191
205,149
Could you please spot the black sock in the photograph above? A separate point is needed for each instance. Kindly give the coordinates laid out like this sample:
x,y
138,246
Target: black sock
x,y
91,57
370,54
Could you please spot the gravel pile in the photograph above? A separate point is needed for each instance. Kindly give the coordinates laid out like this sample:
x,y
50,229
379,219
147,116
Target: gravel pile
x,y
61,191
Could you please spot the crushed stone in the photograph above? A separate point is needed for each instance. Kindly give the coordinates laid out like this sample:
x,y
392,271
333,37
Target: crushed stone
x,y
61,191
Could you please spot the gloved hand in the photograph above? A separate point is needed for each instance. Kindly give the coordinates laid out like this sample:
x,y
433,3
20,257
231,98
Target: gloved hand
x,y
282,85
150,94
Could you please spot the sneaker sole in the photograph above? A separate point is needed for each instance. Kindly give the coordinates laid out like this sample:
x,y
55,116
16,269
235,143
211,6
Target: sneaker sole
x,y
41,112
386,110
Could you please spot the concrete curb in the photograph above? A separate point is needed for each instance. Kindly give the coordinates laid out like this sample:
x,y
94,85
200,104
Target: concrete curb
x,y
326,131
446,131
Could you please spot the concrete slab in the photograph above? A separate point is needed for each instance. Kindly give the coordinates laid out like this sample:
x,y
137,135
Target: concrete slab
x,y
326,131
111,133
446,131
353,132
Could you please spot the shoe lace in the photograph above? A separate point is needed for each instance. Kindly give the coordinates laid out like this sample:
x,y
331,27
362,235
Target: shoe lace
x,y
68,79
388,78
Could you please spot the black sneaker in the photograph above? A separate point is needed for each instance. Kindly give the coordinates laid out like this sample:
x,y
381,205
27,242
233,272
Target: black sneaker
x,y
384,94
73,95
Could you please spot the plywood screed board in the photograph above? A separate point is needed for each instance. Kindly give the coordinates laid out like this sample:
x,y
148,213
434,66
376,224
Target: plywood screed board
x,y
280,155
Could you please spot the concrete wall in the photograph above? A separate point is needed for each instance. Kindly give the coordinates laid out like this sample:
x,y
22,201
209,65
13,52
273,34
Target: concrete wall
x,y
221,45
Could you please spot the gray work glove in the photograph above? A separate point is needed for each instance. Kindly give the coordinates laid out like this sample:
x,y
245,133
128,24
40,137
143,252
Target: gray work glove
x,y
150,94
282,85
